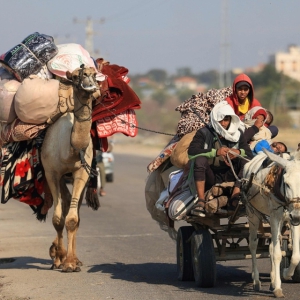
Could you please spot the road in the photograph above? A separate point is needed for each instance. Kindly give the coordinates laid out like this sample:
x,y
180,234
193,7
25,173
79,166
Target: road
x,y
125,253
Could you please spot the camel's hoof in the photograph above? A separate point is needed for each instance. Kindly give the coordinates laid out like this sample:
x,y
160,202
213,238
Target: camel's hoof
x,y
67,270
278,293
54,267
79,263
77,269
257,286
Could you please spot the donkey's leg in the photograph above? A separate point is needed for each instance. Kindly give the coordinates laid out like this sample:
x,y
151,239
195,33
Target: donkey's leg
x,y
253,241
72,220
289,272
276,224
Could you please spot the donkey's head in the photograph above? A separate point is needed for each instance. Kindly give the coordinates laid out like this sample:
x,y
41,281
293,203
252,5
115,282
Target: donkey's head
x,y
290,184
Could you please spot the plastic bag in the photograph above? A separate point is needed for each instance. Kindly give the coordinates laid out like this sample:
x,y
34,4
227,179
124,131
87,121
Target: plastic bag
x,y
29,56
70,57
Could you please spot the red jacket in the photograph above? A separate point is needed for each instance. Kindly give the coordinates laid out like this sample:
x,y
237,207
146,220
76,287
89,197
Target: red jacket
x,y
233,99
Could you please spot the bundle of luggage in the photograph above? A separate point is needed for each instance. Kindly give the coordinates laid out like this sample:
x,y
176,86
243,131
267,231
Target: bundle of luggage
x,y
167,169
30,75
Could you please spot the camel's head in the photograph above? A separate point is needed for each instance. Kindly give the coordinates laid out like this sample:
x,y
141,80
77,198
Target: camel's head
x,y
290,184
84,78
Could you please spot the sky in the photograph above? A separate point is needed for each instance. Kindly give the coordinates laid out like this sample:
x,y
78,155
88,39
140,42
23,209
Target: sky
x,y
161,34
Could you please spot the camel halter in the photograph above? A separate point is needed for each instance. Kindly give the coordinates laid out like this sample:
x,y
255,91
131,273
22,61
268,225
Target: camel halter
x,y
89,107
81,151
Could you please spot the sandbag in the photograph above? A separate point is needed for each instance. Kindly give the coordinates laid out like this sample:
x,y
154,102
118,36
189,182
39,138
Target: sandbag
x,y
30,55
70,57
8,89
36,99
179,156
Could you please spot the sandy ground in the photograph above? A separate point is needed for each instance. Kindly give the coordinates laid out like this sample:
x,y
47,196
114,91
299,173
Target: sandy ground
x,y
147,148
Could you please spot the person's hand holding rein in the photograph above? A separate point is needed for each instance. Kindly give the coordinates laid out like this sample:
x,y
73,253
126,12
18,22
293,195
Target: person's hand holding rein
x,y
222,151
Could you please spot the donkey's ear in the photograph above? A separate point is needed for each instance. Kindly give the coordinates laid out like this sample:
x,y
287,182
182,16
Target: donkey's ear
x,y
69,75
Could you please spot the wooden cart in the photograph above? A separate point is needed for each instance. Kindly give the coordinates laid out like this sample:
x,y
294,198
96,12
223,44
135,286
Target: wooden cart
x,y
221,237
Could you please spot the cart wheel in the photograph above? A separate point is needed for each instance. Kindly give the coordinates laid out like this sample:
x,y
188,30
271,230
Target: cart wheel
x,y
204,260
285,263
184,254
296,276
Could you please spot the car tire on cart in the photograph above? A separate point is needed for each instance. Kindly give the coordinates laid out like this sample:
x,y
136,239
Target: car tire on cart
x,y
184,253
204,259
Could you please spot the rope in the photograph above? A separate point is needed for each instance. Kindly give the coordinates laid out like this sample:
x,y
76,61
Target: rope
x,y
132,125
230,162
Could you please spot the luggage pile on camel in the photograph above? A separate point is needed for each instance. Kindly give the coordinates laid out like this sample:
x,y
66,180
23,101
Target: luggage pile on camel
x,y
33,95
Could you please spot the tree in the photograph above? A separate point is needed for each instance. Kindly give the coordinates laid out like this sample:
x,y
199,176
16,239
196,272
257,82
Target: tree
x,y
184,94
160,95
158,75
184,72
210,77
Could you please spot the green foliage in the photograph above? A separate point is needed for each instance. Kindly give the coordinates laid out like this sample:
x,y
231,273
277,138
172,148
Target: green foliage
x,y
160,95
158,75
184,94
184,72
209,77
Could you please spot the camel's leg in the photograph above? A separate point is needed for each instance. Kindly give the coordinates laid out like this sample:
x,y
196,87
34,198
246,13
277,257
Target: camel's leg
x,y
276,255
289,272
253,241
57,247
72,220
78,262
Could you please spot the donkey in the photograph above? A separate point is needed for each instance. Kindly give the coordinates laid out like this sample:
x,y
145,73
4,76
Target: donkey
x,y
275,192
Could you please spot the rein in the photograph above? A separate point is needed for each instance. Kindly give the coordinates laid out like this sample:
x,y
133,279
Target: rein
x,y
81,151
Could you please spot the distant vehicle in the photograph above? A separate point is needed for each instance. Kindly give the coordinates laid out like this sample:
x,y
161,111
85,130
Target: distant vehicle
x,y
108,160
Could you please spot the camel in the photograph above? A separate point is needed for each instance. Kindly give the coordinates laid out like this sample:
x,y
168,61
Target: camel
x,y
67,148
282,205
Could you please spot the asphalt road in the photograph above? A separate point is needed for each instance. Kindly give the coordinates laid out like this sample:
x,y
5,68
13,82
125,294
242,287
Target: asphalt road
x,y
125,253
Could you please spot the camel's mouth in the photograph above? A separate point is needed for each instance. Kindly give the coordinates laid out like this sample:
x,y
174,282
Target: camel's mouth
x,y
89,88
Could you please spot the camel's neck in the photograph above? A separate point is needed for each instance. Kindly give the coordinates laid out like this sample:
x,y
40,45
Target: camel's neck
x,y
80,135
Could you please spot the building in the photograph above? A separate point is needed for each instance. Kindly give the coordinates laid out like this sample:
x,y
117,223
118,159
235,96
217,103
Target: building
x,y
288,62
186,82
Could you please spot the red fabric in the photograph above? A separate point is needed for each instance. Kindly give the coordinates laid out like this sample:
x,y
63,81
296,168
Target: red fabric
x,y
260,112
124,122
117,95
233,99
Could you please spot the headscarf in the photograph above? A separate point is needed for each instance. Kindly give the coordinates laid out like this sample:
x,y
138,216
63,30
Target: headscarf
x,y
218,113
251,115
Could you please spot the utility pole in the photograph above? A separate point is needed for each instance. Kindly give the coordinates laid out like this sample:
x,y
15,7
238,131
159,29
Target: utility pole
x,y
89,34
225,70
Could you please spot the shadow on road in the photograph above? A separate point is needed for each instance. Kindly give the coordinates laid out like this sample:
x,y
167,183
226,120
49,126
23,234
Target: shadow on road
x,y
25,262
231,280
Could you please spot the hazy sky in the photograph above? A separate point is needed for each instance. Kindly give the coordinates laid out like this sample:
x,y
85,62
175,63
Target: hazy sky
x,y
166,34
